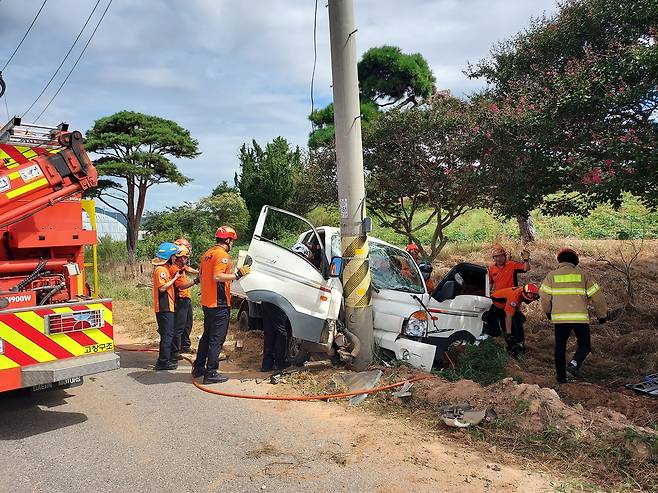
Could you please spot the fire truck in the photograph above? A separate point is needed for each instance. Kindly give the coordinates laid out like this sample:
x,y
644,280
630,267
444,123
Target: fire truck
x,y
54,327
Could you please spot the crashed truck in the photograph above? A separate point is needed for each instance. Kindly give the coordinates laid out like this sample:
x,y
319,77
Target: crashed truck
x,y
411,324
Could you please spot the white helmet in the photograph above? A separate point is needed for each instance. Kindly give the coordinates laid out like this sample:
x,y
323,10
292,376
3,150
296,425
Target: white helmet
x,y
301,249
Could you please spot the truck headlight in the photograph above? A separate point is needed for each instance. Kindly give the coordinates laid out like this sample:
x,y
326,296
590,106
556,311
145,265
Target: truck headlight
x,y
417,324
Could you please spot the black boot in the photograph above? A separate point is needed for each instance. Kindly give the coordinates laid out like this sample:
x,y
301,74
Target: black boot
x,y
214,378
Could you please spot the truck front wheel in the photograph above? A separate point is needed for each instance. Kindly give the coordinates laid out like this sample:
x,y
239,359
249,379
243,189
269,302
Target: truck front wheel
x,y
297,353
244,322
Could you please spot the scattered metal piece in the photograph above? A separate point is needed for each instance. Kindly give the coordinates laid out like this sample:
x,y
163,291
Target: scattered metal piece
x,y
363,380
404,391
648,386
463,415
474,417
239,344
275,379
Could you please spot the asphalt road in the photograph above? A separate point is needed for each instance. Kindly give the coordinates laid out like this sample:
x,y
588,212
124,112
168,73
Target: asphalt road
x,y
137,430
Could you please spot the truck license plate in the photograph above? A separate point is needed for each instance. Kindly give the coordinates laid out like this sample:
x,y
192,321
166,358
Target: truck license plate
x,y
62,384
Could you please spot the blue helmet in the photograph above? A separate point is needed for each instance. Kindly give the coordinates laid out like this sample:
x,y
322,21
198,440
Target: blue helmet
x,y
167,250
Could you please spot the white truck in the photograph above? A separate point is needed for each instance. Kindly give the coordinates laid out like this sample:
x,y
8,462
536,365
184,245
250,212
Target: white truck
x,y
415,326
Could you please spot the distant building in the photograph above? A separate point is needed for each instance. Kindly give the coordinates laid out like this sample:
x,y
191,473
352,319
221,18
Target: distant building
x,y
108,223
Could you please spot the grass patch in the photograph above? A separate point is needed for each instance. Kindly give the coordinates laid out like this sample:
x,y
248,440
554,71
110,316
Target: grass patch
x,y
484,364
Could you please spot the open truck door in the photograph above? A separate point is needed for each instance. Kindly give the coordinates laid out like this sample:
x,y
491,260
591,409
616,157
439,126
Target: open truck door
x,y
459,303
300,286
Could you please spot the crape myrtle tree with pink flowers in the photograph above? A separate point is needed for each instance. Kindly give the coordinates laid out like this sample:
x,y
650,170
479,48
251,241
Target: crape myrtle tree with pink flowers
x,y
569,117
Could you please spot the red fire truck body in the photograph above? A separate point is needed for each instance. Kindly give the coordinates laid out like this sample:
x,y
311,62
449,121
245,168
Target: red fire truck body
x,y
53,329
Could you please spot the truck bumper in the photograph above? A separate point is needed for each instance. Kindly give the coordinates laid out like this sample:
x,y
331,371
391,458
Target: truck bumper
x,y
418,354
65,369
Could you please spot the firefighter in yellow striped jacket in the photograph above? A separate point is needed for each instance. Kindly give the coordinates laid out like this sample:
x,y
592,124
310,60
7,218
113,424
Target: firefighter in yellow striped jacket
x,y
566,292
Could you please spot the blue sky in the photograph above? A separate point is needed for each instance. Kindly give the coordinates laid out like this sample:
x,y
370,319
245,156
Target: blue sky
x,y
229,71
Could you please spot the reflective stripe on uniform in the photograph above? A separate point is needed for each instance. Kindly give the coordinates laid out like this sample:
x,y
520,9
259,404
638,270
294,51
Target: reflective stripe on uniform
x,y
571,317
595,288
567,291
546,289
568,278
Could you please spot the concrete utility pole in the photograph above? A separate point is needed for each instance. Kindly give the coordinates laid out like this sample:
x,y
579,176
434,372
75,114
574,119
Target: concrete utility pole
x,y
354,226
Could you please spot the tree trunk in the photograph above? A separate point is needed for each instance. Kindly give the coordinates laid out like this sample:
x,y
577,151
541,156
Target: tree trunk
x,y
131,242
526,228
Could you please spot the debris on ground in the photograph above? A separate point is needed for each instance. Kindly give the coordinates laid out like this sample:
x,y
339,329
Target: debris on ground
x,y
648,386
464,415
404,391
364,380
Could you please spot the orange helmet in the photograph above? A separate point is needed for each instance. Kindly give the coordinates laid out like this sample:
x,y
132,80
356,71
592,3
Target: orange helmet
x,y
183,251
226,232
530,292
184,242
412,247
568,255
498,249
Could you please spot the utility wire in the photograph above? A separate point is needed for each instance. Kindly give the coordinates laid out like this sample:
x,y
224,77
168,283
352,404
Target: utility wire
x,y
76,62
63,59
6,105
315,51
25,35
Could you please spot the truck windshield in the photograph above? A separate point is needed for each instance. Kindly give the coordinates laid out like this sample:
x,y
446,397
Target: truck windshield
x,y
390,267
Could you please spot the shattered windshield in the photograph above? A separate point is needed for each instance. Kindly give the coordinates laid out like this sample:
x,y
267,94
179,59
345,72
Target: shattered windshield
x,y
390,268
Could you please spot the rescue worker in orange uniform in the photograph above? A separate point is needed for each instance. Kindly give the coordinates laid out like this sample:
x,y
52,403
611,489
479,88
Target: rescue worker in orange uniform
x,y
566,292
508,301
186,342
164,303
216,277
503,273
183,301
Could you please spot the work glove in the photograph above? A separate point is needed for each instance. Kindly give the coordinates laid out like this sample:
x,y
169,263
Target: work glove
x,y
525,255
242,271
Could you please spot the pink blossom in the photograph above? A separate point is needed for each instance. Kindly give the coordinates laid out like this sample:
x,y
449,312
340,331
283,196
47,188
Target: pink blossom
x,y
494,107
592,177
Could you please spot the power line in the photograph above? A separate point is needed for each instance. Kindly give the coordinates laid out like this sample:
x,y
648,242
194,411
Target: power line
x,y
6,106
76,62
25,35
315,51
63,59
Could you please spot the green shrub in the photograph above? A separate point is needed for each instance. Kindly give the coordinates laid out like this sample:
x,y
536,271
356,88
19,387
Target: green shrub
x,y
484,364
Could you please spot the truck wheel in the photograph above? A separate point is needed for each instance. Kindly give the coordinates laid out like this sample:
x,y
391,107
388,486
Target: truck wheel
x,y
297,353
244,322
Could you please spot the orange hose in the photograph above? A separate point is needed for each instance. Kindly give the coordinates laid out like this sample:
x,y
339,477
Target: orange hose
x,y
320,397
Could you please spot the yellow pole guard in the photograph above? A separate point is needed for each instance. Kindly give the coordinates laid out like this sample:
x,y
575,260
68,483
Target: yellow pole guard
x,y
89,206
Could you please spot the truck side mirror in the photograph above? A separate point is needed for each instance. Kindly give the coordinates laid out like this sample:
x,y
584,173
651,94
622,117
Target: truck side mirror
x,y
448,291
336,267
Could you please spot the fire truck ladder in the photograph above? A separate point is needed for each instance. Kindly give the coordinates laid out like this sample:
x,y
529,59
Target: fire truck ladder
x,y
26,134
